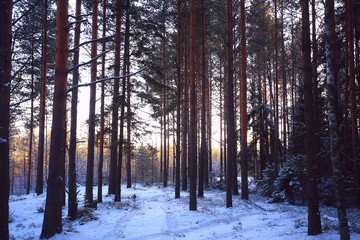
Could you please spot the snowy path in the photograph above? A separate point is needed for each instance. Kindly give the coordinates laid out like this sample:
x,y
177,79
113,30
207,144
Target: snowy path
x,y
153,213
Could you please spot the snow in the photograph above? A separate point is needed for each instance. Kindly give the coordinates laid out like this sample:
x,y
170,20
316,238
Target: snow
x,y
154,213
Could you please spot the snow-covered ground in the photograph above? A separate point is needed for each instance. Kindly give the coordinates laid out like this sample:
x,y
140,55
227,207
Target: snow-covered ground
x,y
153,213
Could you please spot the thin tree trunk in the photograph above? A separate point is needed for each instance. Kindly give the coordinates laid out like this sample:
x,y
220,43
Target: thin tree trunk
x,y
53,207
115,103
31,121
221,125
276,102
128,125
203,150
5,80
122,111
73,203
231,134
102,110
314,224
40,160
89,201
243,111
337,166
178,101
165,175
193,122
184,155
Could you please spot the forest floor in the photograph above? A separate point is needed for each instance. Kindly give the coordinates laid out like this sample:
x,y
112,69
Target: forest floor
x,y
154,213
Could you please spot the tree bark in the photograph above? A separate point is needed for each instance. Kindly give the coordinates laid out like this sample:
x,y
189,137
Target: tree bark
x,y
184,155
178,101
122,111
102,109
203,150
73,203
115,103
337,166
193,122
89,201
53,208
353,105
314,224
40,160
165,174
231,134
5,80
243,111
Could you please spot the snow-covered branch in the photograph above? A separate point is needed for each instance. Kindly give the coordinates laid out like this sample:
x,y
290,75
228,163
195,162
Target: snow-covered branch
x,y
83,15
90,41
82,64
25,100
80,21
104,79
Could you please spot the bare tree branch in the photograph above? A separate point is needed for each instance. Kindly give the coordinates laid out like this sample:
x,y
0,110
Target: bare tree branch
x,y
82,64
25,100
90,41
82,15
104,79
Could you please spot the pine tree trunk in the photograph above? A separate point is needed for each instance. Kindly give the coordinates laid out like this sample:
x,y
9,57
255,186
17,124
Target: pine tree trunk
x,y
231,134
353,105
115,103
122,110
128,125
73,204
165,159
184,155
243,111
52,223
5,80
193,122
178,101
102,109
40,160
276,102
314,224
31,121
221,125
89,201
203,150
337,166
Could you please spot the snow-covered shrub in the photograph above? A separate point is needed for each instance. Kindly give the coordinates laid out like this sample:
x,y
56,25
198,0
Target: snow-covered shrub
x,y
86,215
266,185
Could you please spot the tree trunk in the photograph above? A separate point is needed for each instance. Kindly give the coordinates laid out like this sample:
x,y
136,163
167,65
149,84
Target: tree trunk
x,y
221,125
73,204
184,155
314,224
276,102
203,150
89,201
178,101
353,106
243,111
31,120
128,125
122,111
165,174
193,122
53,208
102,109
115,103
231,134
5,80
40,160
337,166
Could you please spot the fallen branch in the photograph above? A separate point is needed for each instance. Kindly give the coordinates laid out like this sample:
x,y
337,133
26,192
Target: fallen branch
x,y
104,79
